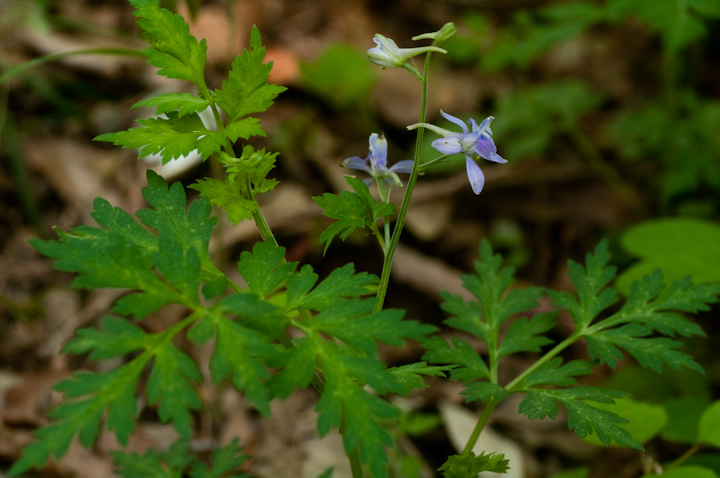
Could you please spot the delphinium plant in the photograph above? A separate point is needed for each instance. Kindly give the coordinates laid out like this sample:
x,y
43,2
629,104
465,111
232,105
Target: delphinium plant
x,y
285,327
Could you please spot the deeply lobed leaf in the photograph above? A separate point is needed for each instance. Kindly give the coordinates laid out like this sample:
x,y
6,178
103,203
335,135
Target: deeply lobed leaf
x,y
177,53
469,465
583,418
246,90
351,210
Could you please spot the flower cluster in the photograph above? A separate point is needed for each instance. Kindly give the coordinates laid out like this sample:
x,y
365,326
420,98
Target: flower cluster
x,y
474,141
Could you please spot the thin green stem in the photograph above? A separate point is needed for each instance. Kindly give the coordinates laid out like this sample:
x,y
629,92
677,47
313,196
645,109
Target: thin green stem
x,y
482,421
427,164
59,56
544,359
399,223
690,452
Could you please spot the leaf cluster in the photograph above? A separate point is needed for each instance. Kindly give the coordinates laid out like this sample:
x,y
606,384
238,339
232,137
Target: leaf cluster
x,y
178,129
644,327
469,465
180,461
246,176
165,260
351,210
653,130
532,32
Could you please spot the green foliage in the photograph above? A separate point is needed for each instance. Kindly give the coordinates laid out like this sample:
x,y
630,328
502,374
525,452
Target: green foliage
x,y
164,267
246,177
710,425
643,327
531,33
644,420
177,53
483,319
683,136
678,22
686,471
170,137
179,130
469,465
536,115
342,75
351,211
179,461
576,473
683,419
246,91
167,262
185,103
411,376
583,418
678,246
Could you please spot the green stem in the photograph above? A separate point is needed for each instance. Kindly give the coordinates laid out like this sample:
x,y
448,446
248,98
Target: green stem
x,y
263,227
690,452
482,421
427,164
399,223
58,56
544,359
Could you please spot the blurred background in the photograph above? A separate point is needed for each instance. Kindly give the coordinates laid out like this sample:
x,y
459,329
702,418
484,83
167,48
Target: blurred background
x,y
608,112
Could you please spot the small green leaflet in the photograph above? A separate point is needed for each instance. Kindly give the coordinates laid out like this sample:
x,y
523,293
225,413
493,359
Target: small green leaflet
x,y
591,282
246,90
467,364
582,417
177,53
351,211
171,137
246,177
112,394
490,286
344,403
410,376
650,352
553,372
123,253
347,362
178,130
180,461
524,335
469,465
185,103
651,308
229,195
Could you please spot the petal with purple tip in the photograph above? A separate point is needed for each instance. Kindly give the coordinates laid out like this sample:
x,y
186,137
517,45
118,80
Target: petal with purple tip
x,y
486,148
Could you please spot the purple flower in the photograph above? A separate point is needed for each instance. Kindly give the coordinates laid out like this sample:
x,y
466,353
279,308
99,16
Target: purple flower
x,y
376,162
472,144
